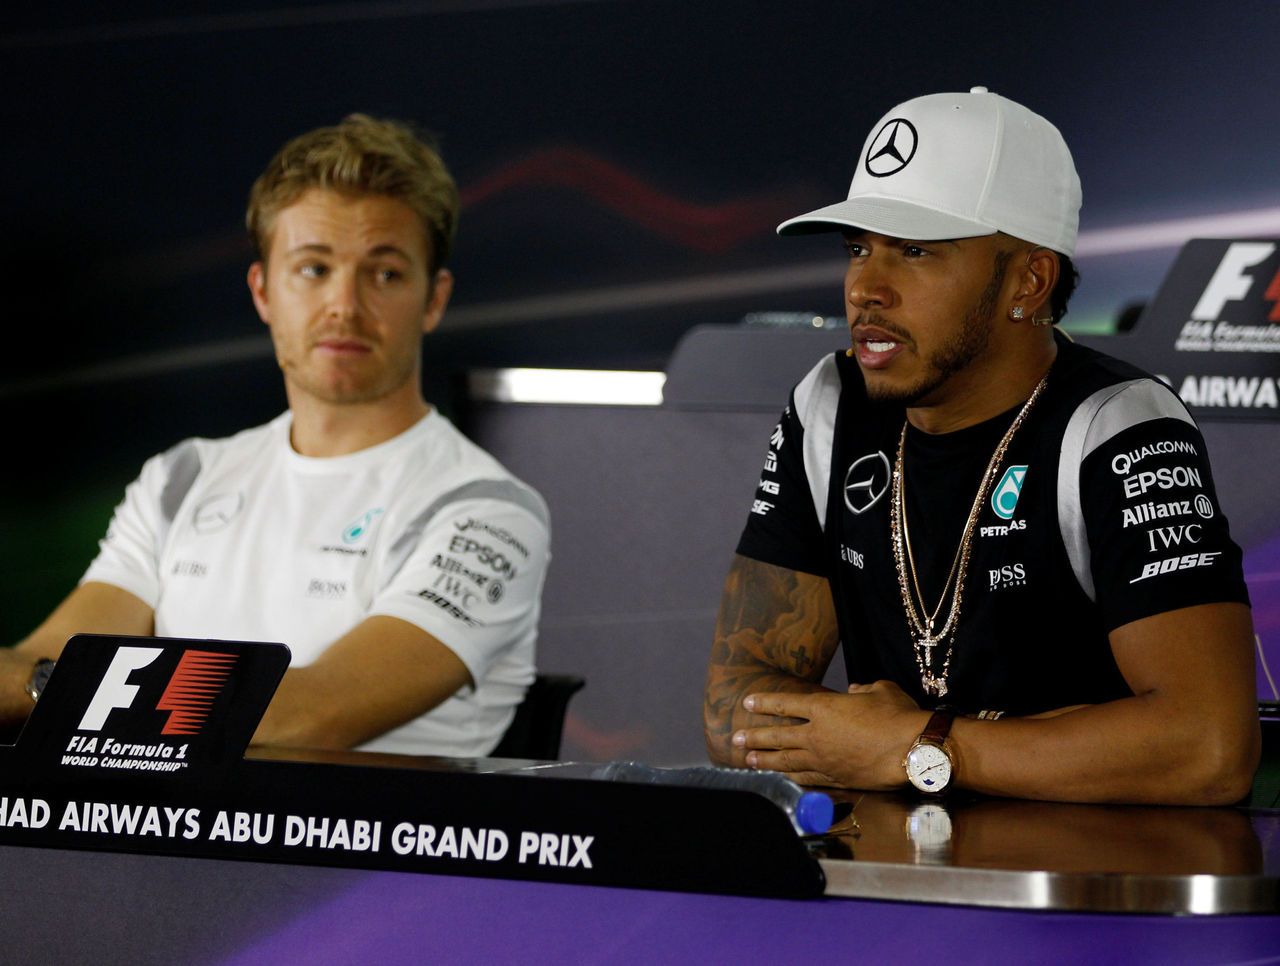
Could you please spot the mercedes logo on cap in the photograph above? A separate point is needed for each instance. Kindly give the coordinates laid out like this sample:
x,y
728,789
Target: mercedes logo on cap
x,y
892,148
866,481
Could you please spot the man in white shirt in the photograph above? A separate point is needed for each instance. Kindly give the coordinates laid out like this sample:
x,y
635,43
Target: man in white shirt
x,y
401,564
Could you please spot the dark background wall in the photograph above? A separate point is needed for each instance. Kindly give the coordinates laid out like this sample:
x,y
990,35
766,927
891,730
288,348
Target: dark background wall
x,y
622,166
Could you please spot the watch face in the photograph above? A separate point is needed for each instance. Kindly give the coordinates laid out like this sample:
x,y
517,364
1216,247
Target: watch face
x,y
929,827
928,767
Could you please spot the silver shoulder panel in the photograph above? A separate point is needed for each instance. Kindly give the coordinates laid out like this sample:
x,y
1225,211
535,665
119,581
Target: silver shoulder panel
x,y
816,400
1101,417
182,466
505,490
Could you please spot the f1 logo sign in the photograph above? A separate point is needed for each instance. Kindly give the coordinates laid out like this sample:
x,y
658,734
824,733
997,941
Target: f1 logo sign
x,y
196,681
115,691
1232,282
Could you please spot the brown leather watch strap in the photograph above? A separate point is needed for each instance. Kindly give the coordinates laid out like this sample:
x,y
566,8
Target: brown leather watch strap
x,y
939,726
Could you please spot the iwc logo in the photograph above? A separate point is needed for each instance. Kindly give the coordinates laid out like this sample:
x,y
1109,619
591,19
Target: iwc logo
x,y
866,481
892,148
213,514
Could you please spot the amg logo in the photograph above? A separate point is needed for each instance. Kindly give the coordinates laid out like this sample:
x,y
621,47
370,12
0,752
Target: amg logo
x,y
1171,564
1156,511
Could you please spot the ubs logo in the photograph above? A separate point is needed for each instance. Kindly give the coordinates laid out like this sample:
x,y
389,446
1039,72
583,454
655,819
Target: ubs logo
x,y
214,513
892,148
866,482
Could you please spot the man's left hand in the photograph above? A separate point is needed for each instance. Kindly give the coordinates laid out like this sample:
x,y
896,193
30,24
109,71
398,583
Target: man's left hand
x,y
853,740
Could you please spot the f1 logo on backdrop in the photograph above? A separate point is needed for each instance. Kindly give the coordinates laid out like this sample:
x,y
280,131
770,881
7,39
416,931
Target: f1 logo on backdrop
x,y
1232,281
196,682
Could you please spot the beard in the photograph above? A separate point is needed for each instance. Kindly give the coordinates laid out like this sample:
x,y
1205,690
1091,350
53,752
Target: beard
x,y
968,343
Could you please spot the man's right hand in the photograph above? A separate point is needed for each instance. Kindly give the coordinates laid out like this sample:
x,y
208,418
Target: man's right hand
x,y
776,632
15,703
92,608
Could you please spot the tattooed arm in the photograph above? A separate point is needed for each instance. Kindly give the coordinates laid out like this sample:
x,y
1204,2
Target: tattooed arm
x,y
776,632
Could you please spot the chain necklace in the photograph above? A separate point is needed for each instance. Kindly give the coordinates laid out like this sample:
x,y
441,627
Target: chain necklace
x,y
920,623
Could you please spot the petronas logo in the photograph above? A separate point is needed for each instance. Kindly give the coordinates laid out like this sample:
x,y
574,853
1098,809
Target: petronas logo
x,y
1004,499
358,529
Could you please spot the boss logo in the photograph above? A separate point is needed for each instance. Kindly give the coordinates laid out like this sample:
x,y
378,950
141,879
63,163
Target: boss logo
x,y
1010,575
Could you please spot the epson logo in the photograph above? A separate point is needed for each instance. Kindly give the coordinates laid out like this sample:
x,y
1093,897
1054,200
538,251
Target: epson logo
x,y
196,681
1165,478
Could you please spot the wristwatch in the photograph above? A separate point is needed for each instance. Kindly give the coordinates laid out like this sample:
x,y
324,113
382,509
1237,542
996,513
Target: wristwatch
x,y
39,678
928,763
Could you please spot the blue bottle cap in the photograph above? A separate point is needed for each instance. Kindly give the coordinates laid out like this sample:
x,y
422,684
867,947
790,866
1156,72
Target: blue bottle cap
x,y
814,812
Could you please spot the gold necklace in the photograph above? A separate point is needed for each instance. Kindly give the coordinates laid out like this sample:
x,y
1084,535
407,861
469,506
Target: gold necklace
x,y
920,623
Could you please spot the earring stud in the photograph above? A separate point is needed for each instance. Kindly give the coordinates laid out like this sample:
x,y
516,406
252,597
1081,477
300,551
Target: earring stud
x,y
1016,313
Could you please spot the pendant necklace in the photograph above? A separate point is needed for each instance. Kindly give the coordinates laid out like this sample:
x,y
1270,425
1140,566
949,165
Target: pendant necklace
x,y
920,620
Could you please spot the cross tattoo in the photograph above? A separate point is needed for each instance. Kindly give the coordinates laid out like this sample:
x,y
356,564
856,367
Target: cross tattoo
x,y
802,658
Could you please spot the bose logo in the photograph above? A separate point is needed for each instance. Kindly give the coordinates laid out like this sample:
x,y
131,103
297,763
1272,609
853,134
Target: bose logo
x,y
1177,563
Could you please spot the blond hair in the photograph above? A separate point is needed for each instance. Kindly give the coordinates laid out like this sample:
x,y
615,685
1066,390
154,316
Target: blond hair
x,y
361,156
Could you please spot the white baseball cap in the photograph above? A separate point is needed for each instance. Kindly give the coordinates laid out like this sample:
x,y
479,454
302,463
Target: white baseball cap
x,y
956,166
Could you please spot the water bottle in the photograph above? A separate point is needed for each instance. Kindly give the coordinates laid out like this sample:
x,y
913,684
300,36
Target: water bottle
x,y
810,812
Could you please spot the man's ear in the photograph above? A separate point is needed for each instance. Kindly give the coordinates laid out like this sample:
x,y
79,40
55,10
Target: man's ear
x,y
257,280
437,300
1036,280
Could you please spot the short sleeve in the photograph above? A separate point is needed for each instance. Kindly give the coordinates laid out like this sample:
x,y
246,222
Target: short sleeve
x,y
1157,535
472,576
782,527
129,554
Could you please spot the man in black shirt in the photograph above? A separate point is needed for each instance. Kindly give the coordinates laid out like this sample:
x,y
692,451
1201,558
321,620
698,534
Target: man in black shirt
x,y
1015,539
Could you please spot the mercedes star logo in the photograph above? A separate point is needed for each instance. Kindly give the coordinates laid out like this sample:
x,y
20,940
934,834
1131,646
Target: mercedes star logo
x,y
866,482
892,148
216,512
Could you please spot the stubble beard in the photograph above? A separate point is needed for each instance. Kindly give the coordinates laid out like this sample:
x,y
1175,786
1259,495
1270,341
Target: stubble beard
x,y
348,388
956,355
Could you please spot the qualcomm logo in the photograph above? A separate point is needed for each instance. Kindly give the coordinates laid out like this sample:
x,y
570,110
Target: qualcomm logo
x,y
1004,499
358,529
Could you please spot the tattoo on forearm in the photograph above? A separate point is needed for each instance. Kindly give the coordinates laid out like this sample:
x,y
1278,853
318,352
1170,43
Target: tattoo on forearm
x,y
776,631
